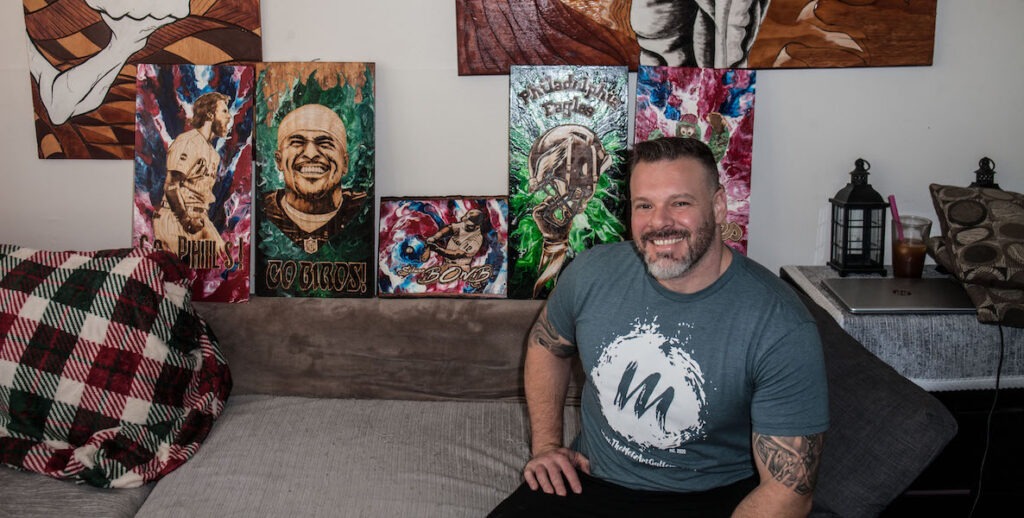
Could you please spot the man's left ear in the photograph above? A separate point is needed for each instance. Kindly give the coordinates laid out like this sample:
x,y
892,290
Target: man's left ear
x,y
721,206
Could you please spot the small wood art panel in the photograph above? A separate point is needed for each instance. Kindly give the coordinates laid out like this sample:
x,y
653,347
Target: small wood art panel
x,y
495,34
715,106
448,246
83,56
315,154
193,172
567,142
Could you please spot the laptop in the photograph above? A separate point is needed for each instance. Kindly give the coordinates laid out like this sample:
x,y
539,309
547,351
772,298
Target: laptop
x,y
898,295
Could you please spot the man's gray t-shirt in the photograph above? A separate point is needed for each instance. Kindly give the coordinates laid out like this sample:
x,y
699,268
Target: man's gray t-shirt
x,y
676,383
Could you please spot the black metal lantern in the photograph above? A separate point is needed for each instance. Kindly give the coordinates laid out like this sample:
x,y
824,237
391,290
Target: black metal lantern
x,y
858,226
985,176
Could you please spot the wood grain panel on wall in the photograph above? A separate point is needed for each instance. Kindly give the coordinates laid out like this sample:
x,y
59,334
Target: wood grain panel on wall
x,y
495,34
83,59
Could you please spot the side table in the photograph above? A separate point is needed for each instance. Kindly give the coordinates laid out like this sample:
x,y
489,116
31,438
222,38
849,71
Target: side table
x,y
938,352
955,357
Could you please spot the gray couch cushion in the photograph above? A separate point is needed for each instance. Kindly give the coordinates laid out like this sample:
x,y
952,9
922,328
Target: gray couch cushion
x,y
884,429
291,456
31,495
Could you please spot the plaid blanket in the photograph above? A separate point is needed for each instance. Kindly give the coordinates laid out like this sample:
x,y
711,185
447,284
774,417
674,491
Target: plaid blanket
x,y
107,374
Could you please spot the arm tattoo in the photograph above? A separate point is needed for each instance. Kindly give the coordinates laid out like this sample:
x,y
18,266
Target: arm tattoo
x,y
793,461
544,335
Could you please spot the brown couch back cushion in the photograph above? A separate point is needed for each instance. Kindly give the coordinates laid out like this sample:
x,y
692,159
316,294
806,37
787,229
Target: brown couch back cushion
x,y
420,349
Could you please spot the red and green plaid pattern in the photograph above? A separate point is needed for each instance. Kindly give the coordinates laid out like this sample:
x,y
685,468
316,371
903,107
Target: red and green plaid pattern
x,y
107,374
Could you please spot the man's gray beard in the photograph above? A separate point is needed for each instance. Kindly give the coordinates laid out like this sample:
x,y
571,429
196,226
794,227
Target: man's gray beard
x,y
665,268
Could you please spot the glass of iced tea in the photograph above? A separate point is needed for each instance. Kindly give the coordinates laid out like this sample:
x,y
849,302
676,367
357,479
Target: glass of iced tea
x,y
908,245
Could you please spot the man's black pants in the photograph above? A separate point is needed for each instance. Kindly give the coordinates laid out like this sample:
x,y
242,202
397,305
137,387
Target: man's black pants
x,y
600,498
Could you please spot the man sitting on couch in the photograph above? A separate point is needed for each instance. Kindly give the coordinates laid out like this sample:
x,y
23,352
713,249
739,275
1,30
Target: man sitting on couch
x,y
700,366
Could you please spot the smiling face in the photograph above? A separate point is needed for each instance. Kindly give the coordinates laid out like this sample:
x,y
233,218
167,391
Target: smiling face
x,y
313,163
675,217
313,158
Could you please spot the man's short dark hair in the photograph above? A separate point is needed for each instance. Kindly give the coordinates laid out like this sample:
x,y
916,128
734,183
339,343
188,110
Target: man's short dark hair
x,y
672,148
204,108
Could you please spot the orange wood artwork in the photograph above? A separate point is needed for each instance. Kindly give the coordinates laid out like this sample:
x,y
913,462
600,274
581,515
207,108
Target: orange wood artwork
x,y
83,56
494,34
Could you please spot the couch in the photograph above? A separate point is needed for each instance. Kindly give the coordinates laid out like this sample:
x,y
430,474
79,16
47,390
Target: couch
x,y
413,407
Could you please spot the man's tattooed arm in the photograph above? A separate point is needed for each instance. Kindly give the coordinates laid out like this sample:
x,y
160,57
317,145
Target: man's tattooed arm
x,y
792,461
544,335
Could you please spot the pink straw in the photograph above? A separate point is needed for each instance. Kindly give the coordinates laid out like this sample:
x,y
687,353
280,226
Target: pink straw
x,y
896,216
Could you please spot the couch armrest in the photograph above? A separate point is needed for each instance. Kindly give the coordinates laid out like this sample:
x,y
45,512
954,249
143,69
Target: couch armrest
x,y
884,431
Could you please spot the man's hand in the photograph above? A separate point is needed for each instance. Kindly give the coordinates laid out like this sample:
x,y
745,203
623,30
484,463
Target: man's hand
x,y
140,9
131,24
550,469
82,88
551,228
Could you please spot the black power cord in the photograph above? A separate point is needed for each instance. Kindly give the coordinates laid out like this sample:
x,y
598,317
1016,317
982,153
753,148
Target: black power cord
x,y
988,424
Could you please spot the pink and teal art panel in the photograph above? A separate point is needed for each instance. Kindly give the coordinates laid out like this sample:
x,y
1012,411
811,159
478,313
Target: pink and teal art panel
x,y
193,172
715,106
567,151
443,247
315,154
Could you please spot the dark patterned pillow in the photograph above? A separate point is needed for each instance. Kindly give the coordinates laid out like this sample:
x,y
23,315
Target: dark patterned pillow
x,y
998,305
107,374
984,231
940,252
982,243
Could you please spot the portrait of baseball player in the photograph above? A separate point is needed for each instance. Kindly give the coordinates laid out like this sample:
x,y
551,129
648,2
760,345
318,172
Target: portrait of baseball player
x,y
461,241
192,166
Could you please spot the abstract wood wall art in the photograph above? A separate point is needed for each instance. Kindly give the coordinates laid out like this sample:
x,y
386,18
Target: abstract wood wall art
x,y
450,246
715,106
567,141
83,56
193,172
315,179
495,34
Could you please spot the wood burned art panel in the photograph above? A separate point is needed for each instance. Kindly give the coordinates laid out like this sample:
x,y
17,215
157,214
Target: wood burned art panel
x,y
83,56
715,106
193,172
315,179
845,33
495,34
450,246
567,144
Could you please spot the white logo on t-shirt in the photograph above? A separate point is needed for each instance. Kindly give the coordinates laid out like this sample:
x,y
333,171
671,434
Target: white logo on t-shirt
x,y
650,389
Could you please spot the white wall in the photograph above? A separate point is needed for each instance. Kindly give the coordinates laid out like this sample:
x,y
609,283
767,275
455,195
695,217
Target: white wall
x,y
438,133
